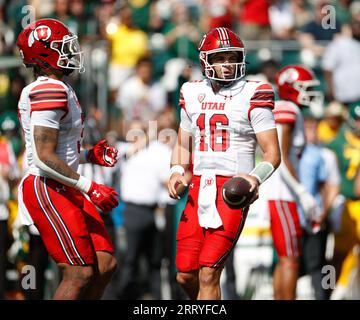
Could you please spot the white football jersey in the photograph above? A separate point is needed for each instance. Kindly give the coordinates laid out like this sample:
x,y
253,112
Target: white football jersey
x,y
223,125
48,95
275,188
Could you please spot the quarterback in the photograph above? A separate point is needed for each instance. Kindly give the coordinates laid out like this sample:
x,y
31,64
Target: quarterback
x,y
223,117
52,195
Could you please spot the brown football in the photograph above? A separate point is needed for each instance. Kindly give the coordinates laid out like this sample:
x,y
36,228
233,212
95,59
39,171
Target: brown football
x,y
236,192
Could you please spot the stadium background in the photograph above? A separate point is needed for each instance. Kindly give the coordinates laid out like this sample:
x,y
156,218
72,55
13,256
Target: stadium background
x,y
137,55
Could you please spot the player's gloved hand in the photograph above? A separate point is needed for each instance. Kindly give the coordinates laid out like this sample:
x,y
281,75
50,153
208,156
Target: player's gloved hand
x,y
312,211
103,196
102,154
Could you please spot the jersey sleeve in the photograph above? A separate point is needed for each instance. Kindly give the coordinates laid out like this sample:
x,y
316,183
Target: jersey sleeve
x,y
263,97
48,96
262,119
284,112
47,118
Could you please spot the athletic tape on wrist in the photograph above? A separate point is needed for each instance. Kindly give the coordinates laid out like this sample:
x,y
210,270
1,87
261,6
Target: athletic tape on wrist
x,y
177,169
262,171
83,184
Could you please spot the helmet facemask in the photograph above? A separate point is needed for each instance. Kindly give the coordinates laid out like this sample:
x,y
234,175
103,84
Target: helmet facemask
x,y
70,54
308,96
210,72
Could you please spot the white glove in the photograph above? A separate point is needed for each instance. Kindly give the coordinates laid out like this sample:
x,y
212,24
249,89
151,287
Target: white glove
x,y
312,210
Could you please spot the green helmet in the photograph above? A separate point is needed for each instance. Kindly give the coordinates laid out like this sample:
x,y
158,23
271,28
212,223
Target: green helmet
x,y
354,110
354,115
9,121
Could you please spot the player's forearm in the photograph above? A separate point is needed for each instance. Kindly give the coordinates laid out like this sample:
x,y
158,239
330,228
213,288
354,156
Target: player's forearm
x,y
181,156
182,150
328,194
290,176
273,156
44,143
60,166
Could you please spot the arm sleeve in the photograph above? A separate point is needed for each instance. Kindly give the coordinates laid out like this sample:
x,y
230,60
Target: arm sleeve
x,y
185,121
47,118
262,119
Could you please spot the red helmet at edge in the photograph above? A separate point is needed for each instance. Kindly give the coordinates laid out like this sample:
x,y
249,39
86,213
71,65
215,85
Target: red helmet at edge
x,y
49,44
297,83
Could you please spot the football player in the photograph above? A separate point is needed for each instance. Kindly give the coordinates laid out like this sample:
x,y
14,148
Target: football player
x,y
223,117
296,87
346,146
52,195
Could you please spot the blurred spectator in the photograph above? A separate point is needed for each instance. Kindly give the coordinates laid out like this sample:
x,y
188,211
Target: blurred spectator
x,y
341,65
140,97
315,31
39,259
357,185
215,13
106,14
342,8
6,33
4,197
253,19
92,126
182,34
143,176
128,45
17,83
335,115
141,13
323,184
346,147
9,126
8,169
355,10
267,72
84,24
281,19
62,13
301,13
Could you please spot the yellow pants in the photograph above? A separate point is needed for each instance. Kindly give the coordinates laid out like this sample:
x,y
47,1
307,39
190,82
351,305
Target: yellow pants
x,y
347,239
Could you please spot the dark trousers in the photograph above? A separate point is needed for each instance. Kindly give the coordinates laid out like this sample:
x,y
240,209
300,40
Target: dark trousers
x,y
142,238
39,259
3,258
230,281
313,259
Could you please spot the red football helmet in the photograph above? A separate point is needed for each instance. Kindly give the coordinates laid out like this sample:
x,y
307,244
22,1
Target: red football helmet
x,y
297,83
48,43
220,40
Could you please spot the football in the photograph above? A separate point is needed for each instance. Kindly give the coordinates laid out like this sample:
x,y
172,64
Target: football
x,y
236,192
